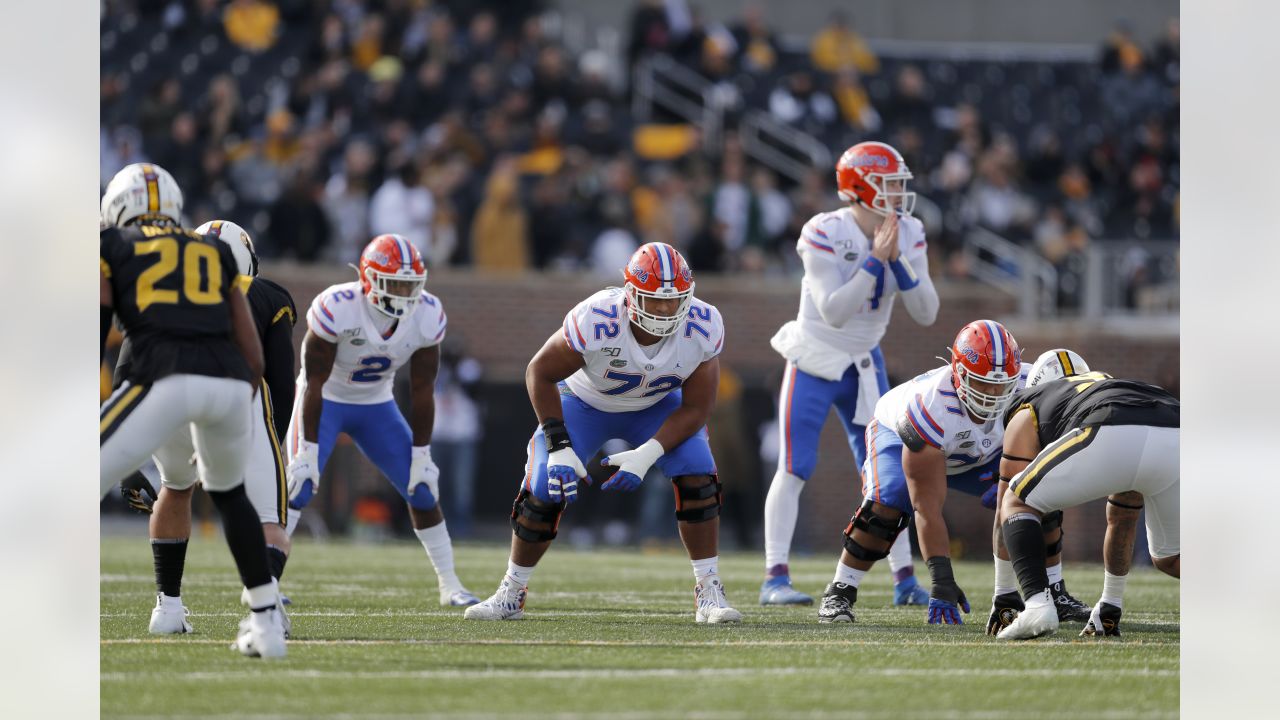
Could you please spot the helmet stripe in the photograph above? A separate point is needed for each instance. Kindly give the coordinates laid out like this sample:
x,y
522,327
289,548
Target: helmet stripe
x,y
1065,360
153,188
665,263
998,344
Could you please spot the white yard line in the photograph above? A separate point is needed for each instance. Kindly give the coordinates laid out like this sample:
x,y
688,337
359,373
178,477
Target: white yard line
x,y
716,643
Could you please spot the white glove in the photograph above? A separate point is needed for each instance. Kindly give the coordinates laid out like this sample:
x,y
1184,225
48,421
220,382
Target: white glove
x,y
564,469
632,466
304,474
422,471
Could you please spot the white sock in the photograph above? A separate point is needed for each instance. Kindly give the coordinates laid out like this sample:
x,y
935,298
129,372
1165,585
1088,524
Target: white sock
x,y
1113,588
263,596
848,575
705,567
519,573
900,552
1006,577
435,540
781,506
1055,573
170,600
291,519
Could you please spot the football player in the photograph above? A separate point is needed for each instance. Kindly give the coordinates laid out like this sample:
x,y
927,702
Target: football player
x,y
940,430
196,364
641,364
170,521
1087,436
857,260
358,334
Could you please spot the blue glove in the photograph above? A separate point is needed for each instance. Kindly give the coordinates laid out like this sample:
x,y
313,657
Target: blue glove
x,y
942,612
989,497
632,466
564,469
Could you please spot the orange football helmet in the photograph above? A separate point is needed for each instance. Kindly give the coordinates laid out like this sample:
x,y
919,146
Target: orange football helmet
x,y
875,176
392,275
657,271
984,351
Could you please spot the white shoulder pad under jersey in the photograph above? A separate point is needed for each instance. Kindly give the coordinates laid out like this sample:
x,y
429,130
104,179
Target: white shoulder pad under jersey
x,y
834,242
927,409
619,376
367,359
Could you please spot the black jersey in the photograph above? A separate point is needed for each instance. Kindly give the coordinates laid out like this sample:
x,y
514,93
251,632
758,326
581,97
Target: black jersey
x,y
168,289
275,314
1093,398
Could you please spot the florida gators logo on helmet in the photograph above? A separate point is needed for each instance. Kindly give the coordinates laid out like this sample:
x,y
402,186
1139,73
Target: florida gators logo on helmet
x,y
985,352
875,176
657,272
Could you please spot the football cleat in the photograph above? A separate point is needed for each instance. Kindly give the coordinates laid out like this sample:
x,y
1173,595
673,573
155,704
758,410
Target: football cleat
x,y
281,601
457,597
1104,621
712,605
1004,608
837,603
1039,618
261,635
505,604
777,590
169,617
909,592
1069,608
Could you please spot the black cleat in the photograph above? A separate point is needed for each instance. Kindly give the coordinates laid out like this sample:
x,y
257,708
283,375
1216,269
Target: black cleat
x,y
1069,608
1004,608
1104,621
837,603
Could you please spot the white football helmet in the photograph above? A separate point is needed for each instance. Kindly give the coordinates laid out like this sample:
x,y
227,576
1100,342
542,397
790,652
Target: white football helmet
x,y
239,240
1055,364
141,189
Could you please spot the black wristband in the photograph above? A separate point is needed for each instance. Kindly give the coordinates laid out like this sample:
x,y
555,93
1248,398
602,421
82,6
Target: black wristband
x,y
557,435
944,579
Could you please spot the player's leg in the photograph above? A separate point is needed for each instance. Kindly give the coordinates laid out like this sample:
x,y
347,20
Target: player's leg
x,y
131,423
698,500
170,530
1123,510
266,483
535,517
384,436
884,513
803,405
334,419
224,426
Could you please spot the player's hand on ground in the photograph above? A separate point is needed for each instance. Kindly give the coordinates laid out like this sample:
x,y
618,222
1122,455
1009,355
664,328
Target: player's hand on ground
x,y
1004,608
564,469
885,246
137,491
632,466
944,610
423,471
304,474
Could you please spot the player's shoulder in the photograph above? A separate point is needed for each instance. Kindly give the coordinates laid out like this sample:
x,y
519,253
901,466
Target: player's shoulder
x,y
826,230
338,306
603,299
705,325
430,316
274,298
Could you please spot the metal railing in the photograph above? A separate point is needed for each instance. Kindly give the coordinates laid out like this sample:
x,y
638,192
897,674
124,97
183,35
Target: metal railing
x,y
1019,271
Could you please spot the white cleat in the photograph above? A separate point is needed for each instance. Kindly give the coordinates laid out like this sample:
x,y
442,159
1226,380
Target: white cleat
x,y
1040,618
505,604
713,607
261,635
285,622
169,617
457,597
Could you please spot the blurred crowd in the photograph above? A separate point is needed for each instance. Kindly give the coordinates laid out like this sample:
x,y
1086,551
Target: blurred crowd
x,y
473,130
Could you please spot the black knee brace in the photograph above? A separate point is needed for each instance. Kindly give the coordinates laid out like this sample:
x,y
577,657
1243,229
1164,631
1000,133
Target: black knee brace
x,y
1050,522
867,521
709,489
533,509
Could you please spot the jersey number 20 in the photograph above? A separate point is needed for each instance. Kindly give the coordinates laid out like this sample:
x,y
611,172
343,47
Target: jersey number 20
x,y
199,289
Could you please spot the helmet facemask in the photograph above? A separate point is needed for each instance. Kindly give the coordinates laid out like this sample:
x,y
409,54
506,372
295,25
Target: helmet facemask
x,y
654,324
984,406
395,294
892,196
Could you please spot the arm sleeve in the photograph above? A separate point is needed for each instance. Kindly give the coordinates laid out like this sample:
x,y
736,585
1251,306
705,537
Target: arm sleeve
x,y
921,300
277,347
836,300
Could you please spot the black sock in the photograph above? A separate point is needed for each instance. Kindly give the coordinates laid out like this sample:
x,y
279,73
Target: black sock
x,y
1024,538
276,559
170,558
243,530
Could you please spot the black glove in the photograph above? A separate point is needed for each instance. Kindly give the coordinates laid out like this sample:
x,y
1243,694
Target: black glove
x,y
138,493
1004,608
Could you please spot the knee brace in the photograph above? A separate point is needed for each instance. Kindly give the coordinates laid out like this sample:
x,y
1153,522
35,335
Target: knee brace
x,y
709,489
1050,522
867,521
534,510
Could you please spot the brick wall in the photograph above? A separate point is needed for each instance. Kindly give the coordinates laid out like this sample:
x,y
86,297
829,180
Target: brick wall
x,y
505,319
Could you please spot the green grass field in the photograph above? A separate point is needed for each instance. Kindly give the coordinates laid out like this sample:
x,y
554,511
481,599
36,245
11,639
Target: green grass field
x,y
609,634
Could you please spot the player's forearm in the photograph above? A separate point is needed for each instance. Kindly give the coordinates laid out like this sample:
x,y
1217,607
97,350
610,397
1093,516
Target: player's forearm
x,y
921,300
931,530
838,306
423,412
680,426
312,406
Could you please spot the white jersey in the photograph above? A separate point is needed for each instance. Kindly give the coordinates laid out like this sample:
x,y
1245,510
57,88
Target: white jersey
x,y
619,375
831,244
930,405
367,360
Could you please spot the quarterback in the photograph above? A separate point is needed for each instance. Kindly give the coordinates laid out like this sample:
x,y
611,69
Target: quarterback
x,y
640,364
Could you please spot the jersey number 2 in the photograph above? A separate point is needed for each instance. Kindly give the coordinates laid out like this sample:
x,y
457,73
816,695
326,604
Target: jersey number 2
x,y
372,370
199,289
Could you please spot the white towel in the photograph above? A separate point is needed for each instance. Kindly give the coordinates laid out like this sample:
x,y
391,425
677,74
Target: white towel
x,y
821,360
868,389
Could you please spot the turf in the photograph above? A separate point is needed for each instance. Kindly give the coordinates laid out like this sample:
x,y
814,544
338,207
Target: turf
x,y
609,634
